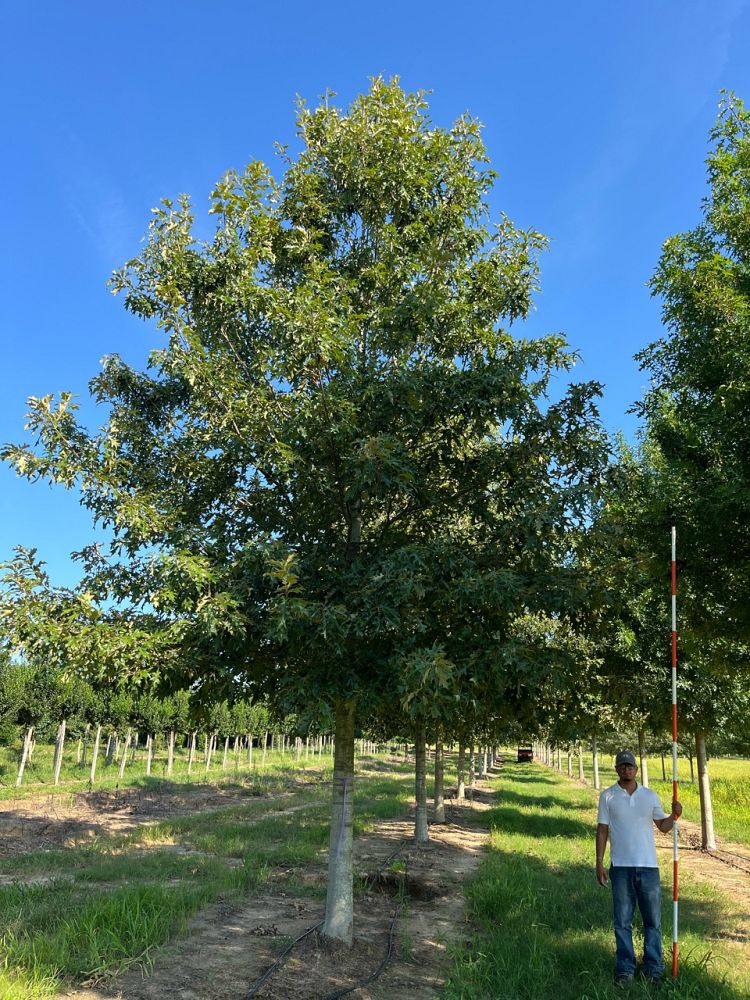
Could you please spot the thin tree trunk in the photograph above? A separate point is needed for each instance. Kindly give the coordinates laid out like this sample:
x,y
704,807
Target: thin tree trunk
x,y
663,768
265,747
595,755
191,752
421,835
461,786
79,751
124,759
581,773
708,836
226,751
570,763
95,754
25,752
338,924
59,747
472,767
150,739
483,763
170,753
439,781
643,757
692,769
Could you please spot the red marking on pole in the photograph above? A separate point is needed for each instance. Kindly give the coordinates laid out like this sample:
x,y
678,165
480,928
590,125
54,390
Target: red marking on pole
x,y
674,959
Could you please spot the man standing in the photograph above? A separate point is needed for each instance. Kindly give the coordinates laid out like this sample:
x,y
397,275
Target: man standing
x,y
626,812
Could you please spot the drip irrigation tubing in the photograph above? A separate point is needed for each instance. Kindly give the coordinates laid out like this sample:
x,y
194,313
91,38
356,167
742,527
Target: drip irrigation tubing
x,y
259,983
278,963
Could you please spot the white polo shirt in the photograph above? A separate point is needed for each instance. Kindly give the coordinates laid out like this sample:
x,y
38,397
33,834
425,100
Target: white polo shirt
x,y
630,819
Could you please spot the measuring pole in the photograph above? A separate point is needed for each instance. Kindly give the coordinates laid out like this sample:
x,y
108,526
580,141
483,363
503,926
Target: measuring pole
x,y
675,897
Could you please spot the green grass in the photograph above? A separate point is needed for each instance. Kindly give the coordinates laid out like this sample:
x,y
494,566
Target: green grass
x,y
541,926
730,789
112,903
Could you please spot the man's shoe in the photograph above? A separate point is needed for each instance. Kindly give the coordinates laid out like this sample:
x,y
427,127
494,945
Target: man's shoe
x,y
654,982
622,982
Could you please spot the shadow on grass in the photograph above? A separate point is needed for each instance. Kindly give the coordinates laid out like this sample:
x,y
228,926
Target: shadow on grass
x,y
539,825
547,801
544,930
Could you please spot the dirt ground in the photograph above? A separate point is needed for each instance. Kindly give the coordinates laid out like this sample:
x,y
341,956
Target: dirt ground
x,y
232,943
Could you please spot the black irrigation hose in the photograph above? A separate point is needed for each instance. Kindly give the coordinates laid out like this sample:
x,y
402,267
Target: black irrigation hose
x,y
279,961
362,982
371,979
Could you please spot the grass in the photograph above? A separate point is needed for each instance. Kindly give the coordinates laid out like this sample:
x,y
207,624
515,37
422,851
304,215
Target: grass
x,y
541,926
730,789
74,778
110,904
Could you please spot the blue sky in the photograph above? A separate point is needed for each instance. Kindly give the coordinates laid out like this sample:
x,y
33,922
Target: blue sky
x,y
596,116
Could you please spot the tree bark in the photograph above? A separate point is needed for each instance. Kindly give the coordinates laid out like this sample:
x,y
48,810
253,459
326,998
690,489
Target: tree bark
x,y
461,786
25,753
581,773
170,753
338,925
708,836
643,757
149,752
265,747
226,751
570,763
124,758
421,835
59,747
663,768
95,754
191,751
439,781
692,769
595,755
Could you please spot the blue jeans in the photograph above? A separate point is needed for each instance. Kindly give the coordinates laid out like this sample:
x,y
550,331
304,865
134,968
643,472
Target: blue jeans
x,y
641,885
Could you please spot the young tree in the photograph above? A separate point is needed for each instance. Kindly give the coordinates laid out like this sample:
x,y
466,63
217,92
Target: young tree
x,y
339,379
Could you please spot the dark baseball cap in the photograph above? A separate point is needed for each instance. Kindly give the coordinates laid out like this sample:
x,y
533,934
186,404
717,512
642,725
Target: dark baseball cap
x,y
624,757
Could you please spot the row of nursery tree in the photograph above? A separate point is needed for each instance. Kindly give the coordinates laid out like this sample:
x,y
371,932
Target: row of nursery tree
x,y
343,486
39,703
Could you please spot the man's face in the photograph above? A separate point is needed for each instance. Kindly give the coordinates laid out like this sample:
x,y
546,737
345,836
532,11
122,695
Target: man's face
x,y
626,772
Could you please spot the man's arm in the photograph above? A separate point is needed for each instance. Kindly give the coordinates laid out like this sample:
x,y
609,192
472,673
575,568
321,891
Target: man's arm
x,y
602,835
666,824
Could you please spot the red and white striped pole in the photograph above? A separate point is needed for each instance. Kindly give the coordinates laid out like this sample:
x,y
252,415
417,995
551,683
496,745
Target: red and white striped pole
x,y
675,897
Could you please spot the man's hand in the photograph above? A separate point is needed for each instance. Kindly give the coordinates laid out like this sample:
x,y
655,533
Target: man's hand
x,y
666,824
601,874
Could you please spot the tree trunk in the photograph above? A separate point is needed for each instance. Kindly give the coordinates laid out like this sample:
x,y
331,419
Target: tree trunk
x,y
570,763
59,747
150,739
643,757
250,749
338,925
170,753
226,751
191,752
421,835
483,763
708,837
663,768
265,746
25,752
461,787
95,754
439,779
692,769
595,755
124,759
581,773
472,767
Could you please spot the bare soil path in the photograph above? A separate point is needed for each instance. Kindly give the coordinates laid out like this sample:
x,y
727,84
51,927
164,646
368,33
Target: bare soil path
x,y
231,944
